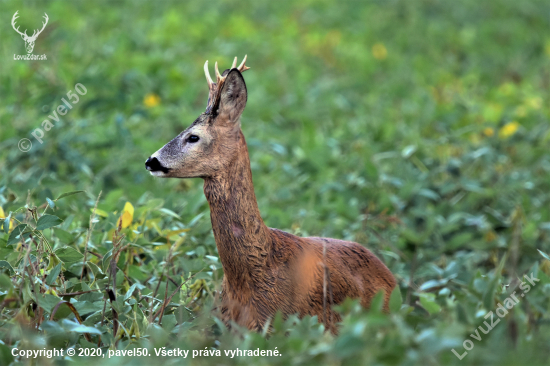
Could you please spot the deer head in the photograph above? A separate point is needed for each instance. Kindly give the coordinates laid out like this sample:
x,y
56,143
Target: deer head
x,y
29,41
210,144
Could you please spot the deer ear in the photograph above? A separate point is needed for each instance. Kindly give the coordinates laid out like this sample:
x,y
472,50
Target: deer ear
x,y
233,96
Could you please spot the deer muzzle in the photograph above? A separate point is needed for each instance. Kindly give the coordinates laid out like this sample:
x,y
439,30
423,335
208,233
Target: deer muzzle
x,y
153,165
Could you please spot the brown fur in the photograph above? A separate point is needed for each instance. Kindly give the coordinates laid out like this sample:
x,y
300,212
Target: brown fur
x,y
265,269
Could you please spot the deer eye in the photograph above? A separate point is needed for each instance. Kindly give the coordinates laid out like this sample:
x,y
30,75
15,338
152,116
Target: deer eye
x,y
193,138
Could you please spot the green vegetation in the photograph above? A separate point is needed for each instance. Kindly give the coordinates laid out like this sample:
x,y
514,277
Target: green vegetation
x,y
418,128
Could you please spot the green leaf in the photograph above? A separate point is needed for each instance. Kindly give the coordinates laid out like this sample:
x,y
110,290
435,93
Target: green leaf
x,y
6,358
546,256
7,224
429,285
489,294
5,282
169,322
90,296
81,328
52,276
48,302
377,302
490,291
6,264
428,302
95,317
15,234
396,300
154,204
120,306
106,261
130,291
68,255
54,260
94,268
64,237
85,286
48,221
50,202
136,273
66,194
170,213
88,307
408,151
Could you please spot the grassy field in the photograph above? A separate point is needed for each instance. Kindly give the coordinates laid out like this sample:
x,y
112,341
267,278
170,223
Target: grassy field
x,y
417,128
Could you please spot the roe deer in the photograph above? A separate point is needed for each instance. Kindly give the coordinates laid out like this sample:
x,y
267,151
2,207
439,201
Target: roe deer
x,y
265,269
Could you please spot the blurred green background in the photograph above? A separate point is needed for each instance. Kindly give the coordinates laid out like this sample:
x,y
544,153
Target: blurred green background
x,y
418,128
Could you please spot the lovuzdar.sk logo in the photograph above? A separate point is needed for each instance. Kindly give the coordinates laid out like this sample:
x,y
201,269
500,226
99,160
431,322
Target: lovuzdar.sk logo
x,y
29,40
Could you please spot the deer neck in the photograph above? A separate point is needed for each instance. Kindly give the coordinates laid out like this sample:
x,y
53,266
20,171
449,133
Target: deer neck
x,y
242,238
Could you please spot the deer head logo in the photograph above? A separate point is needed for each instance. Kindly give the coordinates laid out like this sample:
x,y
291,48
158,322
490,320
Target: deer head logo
x,y
29,41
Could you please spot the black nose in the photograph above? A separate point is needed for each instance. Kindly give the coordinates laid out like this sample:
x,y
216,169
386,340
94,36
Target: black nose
x,y
153,165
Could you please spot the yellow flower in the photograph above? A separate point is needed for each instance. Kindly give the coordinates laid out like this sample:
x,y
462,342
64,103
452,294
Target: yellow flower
x,y
127,215
488,131
379,51
508,129
151,100
3,216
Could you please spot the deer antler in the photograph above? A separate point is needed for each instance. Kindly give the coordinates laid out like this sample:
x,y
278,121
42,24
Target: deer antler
x,y
37,32
15,16
242,67
214,87
207,73
218,75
